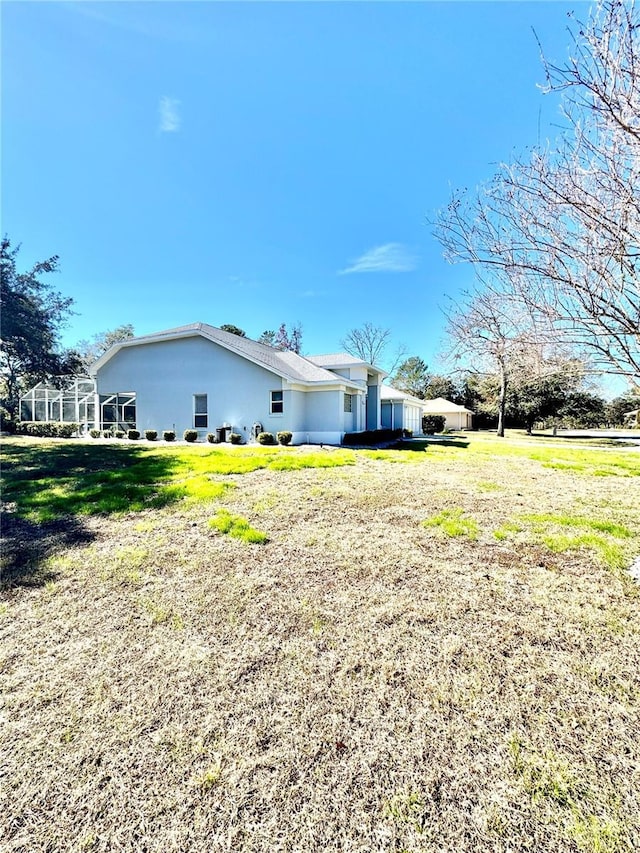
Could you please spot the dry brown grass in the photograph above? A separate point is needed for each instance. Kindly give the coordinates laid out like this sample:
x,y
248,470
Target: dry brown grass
x,y
359,683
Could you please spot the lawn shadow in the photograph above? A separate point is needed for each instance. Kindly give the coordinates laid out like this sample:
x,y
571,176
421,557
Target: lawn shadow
x,y
417,444
26,546
49,488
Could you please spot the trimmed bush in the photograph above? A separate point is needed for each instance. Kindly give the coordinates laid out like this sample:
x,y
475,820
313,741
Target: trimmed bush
x,y
407,433
284,437
190,435
151,434
372,436
119,433
212,438
133,434
94,433
235,438
107,433
169,435
265,438
46,429
433,423
66,430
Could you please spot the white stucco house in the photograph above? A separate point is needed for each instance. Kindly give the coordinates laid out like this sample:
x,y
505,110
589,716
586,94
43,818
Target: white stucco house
x,y
203,378
399,410
456,417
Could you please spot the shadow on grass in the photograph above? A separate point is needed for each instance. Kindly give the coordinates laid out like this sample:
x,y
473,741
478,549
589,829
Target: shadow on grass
x,y
26,547
49,487
588,440
424,443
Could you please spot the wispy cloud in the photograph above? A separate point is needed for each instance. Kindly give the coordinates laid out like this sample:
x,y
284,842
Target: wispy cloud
x,y
390,257
170,119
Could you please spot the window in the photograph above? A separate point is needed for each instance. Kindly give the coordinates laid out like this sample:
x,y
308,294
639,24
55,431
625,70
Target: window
x,y
277,402
200,413
348,403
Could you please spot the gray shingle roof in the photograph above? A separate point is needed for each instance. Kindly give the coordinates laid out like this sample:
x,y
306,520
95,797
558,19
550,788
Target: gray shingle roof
x,y
336,359
387,392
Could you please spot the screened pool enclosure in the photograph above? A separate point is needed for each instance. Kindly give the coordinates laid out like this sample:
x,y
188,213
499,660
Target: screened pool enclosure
x,y
78,403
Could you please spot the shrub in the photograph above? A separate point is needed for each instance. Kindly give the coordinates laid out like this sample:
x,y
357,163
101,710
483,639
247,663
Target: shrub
x,y
151,434
235,438
432,424
212,438
407,433
107,433
94,433
372,436
284,437
66,430
169,435
133,434
46,429
265,438
119,433
190,435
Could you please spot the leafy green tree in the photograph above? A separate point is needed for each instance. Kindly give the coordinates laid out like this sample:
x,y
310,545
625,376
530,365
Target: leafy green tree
x,y
534,400
412,377
582,410
30,323
617,409
268,337
442,386
91,350
234,330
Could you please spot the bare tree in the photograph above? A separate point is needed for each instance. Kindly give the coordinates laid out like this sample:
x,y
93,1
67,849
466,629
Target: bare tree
x,y
491,333
561,228
371,343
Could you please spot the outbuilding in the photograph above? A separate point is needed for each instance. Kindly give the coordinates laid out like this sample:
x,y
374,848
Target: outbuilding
x,y
456,416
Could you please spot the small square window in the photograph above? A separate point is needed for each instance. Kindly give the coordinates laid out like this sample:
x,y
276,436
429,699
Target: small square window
x,y
277,402
200,411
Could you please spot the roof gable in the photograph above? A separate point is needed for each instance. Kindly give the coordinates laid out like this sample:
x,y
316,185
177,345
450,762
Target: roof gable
x,y
440,404
288,365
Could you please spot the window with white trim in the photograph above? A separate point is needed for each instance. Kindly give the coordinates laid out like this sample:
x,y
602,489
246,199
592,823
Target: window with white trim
x,y
200,411
348,402
277,402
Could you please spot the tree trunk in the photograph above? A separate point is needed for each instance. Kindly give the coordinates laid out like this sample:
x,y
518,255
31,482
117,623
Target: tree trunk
x,y
502,401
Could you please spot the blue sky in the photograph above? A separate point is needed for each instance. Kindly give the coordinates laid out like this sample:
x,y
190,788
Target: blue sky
x,y
259,163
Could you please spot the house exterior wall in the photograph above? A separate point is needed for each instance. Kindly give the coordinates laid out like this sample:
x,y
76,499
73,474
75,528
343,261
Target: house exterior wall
x,y
455,420
373,406
401,415
165,376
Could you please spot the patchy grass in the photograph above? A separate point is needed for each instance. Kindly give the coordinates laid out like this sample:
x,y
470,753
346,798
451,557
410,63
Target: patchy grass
x,y
601,536
354,683
237,527
452,522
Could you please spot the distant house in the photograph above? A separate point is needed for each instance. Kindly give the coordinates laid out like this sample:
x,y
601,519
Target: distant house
x,y
399,410
632,418
456,417
200,377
